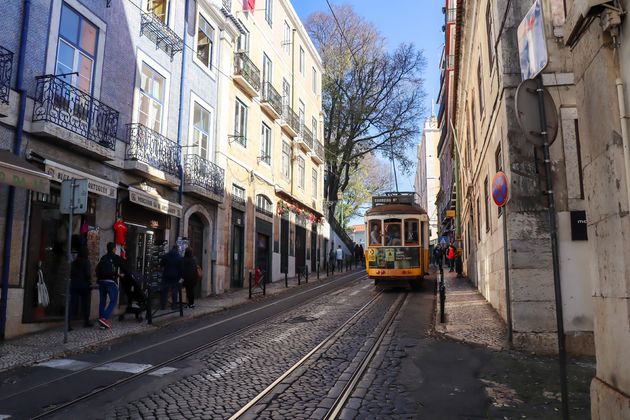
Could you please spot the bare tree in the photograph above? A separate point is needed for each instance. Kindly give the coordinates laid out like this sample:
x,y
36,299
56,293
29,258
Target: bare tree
x,y
372,98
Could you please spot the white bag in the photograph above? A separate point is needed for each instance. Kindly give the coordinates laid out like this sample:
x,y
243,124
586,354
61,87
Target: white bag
x,y
42,290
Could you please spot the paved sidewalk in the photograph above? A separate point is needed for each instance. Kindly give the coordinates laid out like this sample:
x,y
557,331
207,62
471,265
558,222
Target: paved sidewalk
x,y
469,317
38,347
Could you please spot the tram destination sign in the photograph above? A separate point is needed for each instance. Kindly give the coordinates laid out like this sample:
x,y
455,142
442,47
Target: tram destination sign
x,y
393,198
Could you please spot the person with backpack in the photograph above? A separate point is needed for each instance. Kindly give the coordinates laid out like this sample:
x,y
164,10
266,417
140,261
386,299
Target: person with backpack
x,y
171,274
80,285
191,272
107,271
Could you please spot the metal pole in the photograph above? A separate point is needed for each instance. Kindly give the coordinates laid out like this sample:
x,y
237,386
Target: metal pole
x,y
67,311
554,249
508,304
286,278
250,284
442,296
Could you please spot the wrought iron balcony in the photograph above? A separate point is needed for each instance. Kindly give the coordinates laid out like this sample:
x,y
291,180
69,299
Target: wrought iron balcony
x,y
318,154
6,67
290,121
262,210
163,36
200,172
307,136
246,73
239,201
59,102
152,148
271,100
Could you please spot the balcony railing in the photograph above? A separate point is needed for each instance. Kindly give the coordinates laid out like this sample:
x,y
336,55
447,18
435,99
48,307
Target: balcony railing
x,y
271,96
290,117
163,36
202,173
262,210
152,148
6,67
238,200
307,136
319,150
59,102
245,67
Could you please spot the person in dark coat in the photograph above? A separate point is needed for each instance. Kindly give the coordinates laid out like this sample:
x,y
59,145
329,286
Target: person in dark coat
x,y
80,285
438,256
190,273
171,274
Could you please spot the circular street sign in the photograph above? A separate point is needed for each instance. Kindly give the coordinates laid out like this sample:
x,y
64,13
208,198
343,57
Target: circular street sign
x,y
528,114
500,189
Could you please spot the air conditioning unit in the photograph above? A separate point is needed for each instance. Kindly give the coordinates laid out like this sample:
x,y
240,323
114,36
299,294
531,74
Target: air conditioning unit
x,y
578,16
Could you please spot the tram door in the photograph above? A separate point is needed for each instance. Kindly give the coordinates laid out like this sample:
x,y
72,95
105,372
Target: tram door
x,y
195,238
300,248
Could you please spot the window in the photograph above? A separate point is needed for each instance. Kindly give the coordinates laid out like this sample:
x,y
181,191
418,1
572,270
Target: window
x,y
302,114
286,160
205,41
393,235
480,83
263,203
242,43
487,198
265,144
473,121
266,70
314,176
375,232
238,194
301,172
301,60
201,130
490,35
411,232
240,123
159,8
286,94
314,81
269,11
152,95
314,127
498,164
286,42
76,49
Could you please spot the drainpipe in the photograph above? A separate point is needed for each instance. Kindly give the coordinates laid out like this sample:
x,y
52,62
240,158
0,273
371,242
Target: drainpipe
x,y
17,147
180,191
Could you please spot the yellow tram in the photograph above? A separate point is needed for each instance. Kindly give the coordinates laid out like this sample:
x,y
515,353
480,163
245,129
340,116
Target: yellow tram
x,y
397,237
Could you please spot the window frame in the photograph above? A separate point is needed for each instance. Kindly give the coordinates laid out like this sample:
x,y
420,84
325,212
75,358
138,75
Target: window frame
x,y
265,144
238,189
145,61
286,38
269,12
302,61
301,172
314,81
482,99
379,223
490,34
394,222
286,160
263,199
211,65
240,137
314,182
195,100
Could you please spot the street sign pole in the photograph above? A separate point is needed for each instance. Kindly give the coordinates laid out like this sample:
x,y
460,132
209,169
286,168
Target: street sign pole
x,y
554,249
508,305
67,311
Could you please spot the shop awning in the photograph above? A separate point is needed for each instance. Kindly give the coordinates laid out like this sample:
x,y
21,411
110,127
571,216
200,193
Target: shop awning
x,y
155,202
19,173
96,185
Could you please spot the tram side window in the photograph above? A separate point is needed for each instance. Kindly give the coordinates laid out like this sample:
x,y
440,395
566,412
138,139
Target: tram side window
x,y
393,232
375,232
411,232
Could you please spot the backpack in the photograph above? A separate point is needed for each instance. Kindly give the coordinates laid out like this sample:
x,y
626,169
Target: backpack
x,y
105,269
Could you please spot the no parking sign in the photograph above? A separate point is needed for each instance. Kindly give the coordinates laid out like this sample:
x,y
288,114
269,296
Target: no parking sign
x,y
500,189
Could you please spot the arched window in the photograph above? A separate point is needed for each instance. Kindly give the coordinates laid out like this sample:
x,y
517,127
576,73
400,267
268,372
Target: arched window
x,y
263,205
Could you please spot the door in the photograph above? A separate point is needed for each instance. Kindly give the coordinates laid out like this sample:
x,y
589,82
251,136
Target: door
x,y
195,241
262,255
314,253
284,246
300,248
236,254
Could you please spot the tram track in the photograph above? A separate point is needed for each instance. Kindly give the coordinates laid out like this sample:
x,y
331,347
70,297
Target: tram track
x,y
351,278
346,392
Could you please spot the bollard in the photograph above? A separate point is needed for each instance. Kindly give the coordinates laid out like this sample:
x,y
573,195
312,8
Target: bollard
x,y
250,284
286,278
442,297
299,277
317,271
181,303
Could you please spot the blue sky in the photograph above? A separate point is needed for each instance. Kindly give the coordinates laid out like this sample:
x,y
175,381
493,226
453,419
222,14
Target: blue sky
x,y
419,22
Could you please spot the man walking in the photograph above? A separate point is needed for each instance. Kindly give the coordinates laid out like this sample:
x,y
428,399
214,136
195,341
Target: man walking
x,y
339,258
172,265
107,271
438,257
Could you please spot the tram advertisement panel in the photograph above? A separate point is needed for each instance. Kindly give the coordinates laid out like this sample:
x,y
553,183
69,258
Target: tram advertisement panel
x,y
394,257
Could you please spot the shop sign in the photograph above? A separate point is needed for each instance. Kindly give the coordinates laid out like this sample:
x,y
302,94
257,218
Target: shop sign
x,y
60,173
154,202
450,213
24,180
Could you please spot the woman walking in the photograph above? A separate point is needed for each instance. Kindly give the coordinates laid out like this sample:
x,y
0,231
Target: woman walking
x,y
191,273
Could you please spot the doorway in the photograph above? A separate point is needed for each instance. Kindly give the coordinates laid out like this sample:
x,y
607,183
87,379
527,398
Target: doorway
x,y
196,242
300,248
314,250
236,256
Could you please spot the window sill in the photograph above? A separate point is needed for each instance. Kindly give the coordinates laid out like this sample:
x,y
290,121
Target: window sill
x,y
204,68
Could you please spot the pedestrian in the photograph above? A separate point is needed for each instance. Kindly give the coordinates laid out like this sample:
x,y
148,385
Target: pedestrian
x,y
450,255
171,274
331,260
357,254
362,253
339,255
80,286
438,256
191,272
107,271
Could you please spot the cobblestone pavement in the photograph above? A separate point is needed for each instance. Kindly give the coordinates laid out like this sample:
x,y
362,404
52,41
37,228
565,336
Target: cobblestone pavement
x,y
45,345
232,373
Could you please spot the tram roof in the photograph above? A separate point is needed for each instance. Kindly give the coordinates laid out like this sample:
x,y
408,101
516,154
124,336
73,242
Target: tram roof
x,y
395,209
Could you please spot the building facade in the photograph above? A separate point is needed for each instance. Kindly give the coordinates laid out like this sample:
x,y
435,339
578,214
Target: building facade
x,y
138,97
490,140
427,179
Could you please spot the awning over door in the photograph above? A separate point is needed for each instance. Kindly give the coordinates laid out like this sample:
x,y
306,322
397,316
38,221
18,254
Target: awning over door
x,y
19,173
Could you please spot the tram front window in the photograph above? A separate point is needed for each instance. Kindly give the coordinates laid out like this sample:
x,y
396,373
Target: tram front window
x,y
393,233
375,233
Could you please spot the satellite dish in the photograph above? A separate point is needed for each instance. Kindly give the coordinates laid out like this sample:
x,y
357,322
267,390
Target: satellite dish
x,y
528,114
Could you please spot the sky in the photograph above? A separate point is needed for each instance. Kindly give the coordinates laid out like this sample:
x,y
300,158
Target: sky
x,y
417,21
